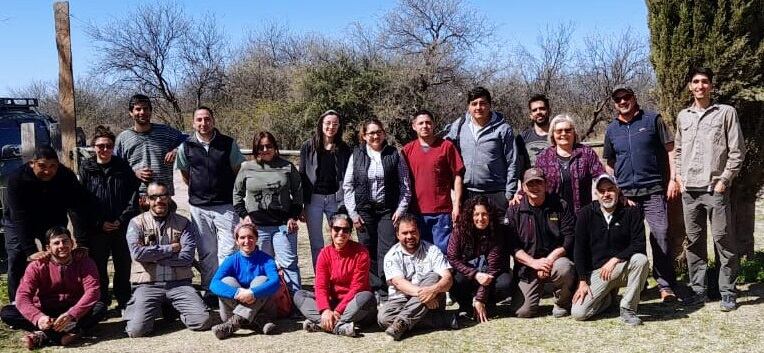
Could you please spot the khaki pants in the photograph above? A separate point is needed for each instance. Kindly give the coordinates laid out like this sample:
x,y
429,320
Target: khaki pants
x,y
631,274
526,300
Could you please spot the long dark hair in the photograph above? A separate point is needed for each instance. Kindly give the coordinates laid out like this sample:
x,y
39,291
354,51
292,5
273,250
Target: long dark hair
x,y
318,137
467,226
256,143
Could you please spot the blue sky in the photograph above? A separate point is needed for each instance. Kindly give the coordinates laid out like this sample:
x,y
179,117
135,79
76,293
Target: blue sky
x,y
29,48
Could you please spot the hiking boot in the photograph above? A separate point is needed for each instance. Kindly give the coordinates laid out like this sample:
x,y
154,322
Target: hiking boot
x,y
697,299
34,340
226,329
269,328
310,326
559,312
728,303
347,329
667,295
397,329
629,317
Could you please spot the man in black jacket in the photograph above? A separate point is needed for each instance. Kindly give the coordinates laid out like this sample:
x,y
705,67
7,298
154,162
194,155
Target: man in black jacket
x,y
542,245
38,197
609,253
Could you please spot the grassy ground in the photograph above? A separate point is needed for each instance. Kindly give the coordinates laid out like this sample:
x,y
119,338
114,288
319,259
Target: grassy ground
x,y
667,328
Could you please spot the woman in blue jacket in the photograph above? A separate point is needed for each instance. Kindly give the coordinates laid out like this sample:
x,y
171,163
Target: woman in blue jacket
x,y
244,282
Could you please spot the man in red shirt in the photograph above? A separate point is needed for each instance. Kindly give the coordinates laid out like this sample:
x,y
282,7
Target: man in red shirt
x,y
436,168
58,295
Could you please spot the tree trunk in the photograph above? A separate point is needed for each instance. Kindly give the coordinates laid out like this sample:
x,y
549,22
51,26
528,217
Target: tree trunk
x,y
743,204
677,234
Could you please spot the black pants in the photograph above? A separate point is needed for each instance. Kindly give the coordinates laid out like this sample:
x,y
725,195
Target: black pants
x,y
464,290
102,244
378,236
11,316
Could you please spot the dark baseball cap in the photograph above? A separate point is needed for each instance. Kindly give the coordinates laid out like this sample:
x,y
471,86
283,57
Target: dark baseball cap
x,y
623,88
533,174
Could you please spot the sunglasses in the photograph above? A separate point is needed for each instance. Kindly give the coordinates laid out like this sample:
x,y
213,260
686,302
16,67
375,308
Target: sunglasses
x,y
104,146
625,97
158,196
341,229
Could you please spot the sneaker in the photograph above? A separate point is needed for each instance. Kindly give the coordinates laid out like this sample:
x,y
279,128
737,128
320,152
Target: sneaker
x,y
269,328
453,322
667,295
629,317
697,299
34,340
347,329
226,329
310,326
397,329
559,312
728,303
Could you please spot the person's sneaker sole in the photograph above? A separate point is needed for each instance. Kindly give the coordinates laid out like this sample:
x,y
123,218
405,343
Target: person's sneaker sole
x,y
269,328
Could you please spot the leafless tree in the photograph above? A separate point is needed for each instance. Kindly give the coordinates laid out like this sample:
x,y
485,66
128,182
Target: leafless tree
x,y
544,72
203,61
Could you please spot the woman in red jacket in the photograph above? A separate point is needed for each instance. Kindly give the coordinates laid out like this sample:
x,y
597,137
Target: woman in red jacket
x,y
343,296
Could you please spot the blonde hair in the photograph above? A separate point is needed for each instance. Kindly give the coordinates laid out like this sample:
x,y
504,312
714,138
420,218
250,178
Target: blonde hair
x,y
559,119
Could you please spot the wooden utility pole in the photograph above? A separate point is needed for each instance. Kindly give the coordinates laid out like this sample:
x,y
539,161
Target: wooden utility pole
x,y
66,111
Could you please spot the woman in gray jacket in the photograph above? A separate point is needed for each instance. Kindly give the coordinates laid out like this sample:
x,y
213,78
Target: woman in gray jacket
x,y
268,193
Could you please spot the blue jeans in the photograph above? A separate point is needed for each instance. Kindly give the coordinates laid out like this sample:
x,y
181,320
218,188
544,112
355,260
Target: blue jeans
x,y
215,225
320,206
436,228
282,245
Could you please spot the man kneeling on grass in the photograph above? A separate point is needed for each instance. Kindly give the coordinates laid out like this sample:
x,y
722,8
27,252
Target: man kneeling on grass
x,y
58,295
609,253
419,276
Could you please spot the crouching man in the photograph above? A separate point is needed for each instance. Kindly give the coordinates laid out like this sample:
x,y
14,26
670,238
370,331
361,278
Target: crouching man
x,y
419,277
57,297
610,254
162,245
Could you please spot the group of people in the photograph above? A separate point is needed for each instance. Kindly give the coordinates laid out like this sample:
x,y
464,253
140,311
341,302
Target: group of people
x,y
436,221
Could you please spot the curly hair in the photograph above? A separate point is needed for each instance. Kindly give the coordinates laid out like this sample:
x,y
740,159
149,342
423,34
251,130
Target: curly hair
x,y
465,225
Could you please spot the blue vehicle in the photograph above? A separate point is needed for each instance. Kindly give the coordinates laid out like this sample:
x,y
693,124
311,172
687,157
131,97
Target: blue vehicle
x,y
13,113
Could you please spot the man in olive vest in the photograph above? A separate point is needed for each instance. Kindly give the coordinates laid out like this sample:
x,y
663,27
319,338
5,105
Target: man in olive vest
x,y
162,245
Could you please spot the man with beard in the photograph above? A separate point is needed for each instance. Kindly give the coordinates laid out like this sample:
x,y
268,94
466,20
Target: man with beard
x,y
149,148
636,145
162,245
58,295
610,254
535,138
419,276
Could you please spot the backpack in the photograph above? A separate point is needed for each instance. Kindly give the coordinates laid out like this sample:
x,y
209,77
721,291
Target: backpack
x,y
282,298
455,140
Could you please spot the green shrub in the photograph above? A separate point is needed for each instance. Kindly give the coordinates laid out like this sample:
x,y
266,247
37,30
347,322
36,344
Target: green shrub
x,y
752,269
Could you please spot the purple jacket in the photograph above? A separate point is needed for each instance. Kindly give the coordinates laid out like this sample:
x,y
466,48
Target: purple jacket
x,y
585,165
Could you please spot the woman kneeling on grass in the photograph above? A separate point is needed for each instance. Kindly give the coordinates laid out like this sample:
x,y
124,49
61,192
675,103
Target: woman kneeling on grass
x,y
244,282
343,296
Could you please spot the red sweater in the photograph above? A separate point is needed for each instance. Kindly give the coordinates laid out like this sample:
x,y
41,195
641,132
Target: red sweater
x,y
48,287
340,275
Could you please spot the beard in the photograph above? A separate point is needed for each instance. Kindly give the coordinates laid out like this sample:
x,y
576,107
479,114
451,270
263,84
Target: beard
x,y
608,203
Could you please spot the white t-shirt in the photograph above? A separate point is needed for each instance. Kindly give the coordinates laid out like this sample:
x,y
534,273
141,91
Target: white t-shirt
x,y
413,267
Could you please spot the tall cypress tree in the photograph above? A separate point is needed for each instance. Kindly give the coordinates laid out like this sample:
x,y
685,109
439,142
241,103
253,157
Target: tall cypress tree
x,y
725,35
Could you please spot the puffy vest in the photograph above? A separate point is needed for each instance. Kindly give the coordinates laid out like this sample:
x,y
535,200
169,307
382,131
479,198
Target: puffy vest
x,y
640,155
211,177
146,272
362,185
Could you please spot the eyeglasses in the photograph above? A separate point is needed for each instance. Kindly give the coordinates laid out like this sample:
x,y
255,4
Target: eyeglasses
x,y
625,97
374,133
104,146
565,131
265,147
158,196
341,229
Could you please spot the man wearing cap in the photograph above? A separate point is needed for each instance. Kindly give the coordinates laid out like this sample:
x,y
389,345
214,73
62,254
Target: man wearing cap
x,y
638,150
541,241
610,254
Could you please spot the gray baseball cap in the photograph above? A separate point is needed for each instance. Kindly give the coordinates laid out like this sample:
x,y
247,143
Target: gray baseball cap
x,y
603,177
